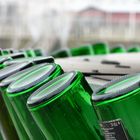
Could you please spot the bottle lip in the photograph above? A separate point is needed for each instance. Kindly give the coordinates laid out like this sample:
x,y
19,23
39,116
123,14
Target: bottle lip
x,y
42,59
57,85
7,81
104,93
34,78
11,56
7,71
16,55
3,59
35,60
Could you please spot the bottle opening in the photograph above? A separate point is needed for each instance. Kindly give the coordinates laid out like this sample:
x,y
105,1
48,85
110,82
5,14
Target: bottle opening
x,y
19,74
51,89
118,87
31,79
7,71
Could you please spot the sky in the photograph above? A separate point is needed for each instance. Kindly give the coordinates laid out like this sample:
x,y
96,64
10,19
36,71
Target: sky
x,y
76,5
80,4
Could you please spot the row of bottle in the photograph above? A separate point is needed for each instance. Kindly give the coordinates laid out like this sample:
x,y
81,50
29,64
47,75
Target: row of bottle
x,y
12,61
94,49
40,101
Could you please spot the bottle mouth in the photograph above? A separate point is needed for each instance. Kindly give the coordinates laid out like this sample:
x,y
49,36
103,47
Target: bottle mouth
x,y
7,71
16,55
7,81
122,86
52,90
34,78
11,56
34,60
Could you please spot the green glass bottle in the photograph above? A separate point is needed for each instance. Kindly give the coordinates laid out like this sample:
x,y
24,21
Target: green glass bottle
x,y
63,110
82,50
30,53
19,91
134,49
27,68
118,49
100,48
7,127
38,52
6,52
61,53
117,106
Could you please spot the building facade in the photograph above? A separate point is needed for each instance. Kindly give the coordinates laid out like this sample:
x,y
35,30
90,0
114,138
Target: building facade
x,y
92,24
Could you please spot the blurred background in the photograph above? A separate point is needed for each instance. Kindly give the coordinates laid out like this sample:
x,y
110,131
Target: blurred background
x,y
55,24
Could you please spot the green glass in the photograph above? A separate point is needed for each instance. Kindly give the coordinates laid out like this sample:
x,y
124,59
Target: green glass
x,y
7,127
63,110
82,50
6,51
7,130
134,49
1,52
118,49
100,48
1,137
3,86
117,106
61,53
38,52
19,91
33,52
30,53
